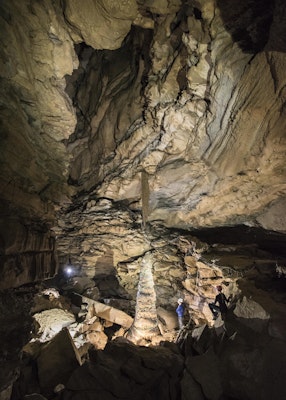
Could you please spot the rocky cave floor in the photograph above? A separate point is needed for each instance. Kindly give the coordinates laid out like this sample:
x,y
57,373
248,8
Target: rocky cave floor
x,y
66,338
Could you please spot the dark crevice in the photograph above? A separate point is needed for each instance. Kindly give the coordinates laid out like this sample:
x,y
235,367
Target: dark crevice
x,y
248,22
273,242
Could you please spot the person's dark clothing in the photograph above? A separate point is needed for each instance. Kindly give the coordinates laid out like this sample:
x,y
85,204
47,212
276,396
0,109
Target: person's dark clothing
x,y
221,307
221,300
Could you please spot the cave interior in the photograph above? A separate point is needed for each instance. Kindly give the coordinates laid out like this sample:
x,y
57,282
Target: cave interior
x,y
142,160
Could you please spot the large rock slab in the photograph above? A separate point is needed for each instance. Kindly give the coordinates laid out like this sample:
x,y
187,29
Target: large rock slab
x,y
51,322
127,371
108,313
205,370
56,361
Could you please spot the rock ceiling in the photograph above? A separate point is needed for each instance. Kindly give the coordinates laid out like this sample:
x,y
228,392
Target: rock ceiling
x,y
118,115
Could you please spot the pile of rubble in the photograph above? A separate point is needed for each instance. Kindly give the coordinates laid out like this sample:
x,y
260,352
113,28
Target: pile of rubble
x,y
69,322
80,350
86,319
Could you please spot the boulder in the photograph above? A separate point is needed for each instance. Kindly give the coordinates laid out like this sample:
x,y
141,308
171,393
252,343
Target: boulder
x,y
79,284
97,339
168,318
5,394
108,313
205,371
128,372
251,314
190,388
50,322
56,361
48,300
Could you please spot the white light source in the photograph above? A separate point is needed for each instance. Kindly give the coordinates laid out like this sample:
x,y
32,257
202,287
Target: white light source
x,y
69,270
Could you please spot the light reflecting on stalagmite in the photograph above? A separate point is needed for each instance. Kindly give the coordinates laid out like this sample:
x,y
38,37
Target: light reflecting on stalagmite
x,y
145,324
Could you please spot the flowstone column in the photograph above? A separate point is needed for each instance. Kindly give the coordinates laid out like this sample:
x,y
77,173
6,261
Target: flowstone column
x,y
145,325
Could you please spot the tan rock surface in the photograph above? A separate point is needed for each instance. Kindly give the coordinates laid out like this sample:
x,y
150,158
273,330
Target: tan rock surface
x,y
109,313
193,101
52,321
101,24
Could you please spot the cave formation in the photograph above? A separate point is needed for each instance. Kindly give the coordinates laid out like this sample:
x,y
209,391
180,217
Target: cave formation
x,y
143,147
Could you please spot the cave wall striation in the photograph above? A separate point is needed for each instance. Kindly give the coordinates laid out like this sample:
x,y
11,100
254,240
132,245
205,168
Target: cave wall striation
x,y
190,94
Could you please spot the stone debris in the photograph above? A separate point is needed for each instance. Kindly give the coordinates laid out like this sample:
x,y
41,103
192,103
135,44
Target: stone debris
x,y
51,292
79,284
5,394
48,299
127,371
56,361
108,313
281,271
227,360
92,324
247,308
97,339
50,322
95,318
168,318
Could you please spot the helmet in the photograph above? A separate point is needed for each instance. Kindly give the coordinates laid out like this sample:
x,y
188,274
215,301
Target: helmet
x,y
180,300
219,288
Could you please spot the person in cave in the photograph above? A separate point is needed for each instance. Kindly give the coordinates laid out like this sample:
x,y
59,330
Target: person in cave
x,y
180,310
220,304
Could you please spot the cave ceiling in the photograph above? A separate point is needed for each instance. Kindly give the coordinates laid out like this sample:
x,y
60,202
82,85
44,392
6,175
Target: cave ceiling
x,y
118,115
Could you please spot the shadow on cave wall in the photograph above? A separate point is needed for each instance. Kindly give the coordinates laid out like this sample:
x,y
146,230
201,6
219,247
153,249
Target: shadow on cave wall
x,y
250,24
273,242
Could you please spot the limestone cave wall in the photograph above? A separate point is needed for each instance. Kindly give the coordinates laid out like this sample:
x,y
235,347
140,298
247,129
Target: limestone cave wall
x,y
191,94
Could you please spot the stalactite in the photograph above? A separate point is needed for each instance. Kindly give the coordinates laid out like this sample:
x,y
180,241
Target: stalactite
x,y
145,193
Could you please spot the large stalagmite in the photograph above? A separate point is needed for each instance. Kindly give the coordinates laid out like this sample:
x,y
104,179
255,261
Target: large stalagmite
x,y
145,324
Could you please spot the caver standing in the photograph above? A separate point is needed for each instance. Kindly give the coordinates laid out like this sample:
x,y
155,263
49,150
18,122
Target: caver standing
x,y
220,304
180,310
